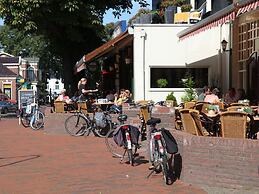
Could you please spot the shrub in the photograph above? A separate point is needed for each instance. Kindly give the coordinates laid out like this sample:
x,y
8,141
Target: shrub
x,y
161,83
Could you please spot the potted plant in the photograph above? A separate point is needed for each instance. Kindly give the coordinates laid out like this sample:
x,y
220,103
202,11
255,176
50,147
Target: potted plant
x,y
171,100
190,93
161,83
186,7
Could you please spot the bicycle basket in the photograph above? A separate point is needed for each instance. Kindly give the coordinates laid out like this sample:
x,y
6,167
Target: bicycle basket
x,y
100,119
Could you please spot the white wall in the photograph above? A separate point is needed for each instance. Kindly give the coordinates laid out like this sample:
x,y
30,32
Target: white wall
x,y
157,45
51,85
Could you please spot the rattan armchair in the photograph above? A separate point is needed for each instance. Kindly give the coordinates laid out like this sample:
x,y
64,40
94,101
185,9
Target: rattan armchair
x,y
234,108
233,124
188,122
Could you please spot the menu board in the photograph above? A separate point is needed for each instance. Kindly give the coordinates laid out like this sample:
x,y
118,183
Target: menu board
x,y
25,96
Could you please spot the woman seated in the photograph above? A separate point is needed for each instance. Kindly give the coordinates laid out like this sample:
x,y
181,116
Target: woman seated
x,y
62,96
212,97
118,101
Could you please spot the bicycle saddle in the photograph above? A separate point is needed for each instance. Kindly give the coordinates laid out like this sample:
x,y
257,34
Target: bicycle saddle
x,y
153,121
122,117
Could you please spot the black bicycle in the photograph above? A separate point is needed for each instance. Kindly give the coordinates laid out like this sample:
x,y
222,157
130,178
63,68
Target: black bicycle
x,y
123,139
80,124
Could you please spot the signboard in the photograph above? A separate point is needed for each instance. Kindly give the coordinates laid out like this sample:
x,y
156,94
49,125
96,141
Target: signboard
x,y
25,96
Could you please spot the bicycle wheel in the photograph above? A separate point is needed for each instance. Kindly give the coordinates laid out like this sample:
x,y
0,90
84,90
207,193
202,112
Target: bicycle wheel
x,y
38,120
116,150
102,132
77,125
165,169
25,120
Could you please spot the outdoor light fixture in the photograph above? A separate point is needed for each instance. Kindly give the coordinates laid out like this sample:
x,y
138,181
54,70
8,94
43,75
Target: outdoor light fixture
x,y
224,44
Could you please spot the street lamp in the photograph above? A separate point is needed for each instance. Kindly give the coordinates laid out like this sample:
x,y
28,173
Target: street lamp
x,y
224,44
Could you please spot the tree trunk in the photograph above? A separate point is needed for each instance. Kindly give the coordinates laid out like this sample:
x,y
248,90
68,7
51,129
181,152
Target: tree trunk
x,y
70,79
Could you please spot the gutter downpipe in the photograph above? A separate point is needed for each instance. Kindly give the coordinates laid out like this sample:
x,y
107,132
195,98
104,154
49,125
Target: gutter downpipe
x,y
143,36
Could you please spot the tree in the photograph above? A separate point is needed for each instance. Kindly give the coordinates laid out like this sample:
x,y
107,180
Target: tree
x,y
72,27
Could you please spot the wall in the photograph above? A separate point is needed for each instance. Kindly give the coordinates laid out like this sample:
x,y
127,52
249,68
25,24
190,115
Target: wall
x,y
156,45
219,162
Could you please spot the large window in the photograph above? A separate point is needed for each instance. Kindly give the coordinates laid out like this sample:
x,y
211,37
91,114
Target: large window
x,y
30,74
174,76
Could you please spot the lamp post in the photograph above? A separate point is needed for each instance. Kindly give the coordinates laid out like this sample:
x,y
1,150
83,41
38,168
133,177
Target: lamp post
x,y
224,44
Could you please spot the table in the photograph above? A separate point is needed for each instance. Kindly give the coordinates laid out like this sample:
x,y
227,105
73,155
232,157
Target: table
x,y
104,106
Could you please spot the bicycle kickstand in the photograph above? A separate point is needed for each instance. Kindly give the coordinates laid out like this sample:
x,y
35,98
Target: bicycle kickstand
x,y
153,170
123,155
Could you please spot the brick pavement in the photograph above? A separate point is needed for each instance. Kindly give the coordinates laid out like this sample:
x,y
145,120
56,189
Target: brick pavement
x,y
50,161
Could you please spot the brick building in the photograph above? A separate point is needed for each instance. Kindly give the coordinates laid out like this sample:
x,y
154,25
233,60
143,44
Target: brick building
x,y
15,70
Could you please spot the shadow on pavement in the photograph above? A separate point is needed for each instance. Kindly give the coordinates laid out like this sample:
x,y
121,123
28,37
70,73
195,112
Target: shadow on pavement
x,y
18,159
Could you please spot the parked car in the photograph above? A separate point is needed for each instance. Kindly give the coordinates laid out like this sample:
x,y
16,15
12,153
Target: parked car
x,y
8,107
4,97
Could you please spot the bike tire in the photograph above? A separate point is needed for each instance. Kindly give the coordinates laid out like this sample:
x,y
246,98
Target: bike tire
x,y
25,120
112,147
102,132
39,121
165,169
77,125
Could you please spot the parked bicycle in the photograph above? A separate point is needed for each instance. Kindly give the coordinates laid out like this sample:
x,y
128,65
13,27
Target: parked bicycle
x,y
161,144
122,140
80,124
30,114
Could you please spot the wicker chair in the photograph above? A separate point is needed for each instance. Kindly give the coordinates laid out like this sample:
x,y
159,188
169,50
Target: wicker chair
x,y
178,120
188,122
234,108
199,124
59,106
202,106
238,104
233,124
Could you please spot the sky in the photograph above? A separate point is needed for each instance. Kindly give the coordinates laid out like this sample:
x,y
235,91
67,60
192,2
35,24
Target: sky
x,y
109,17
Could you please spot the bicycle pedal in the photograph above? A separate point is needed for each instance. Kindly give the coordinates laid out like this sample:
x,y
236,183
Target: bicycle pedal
x,y
152,167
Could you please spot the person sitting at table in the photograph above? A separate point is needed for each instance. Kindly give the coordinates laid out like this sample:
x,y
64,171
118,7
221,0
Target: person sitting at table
x,y
212,97
241,94
206,91
128,96
118,101
110,96
230,96
62,96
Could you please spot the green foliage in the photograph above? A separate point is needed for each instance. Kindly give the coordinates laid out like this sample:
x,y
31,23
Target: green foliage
x,y
171,96
212,107
190,93
172,3
186,7
71,27
161,83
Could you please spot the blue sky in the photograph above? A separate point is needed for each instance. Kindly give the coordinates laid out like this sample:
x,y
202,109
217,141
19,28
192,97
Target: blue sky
x,y
109,17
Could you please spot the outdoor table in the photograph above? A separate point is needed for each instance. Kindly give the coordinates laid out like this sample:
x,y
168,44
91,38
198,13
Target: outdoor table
x,y
104,105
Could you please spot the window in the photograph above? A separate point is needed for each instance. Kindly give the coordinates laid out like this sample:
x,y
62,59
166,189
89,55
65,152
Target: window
x,y
30,74
174,76
56,87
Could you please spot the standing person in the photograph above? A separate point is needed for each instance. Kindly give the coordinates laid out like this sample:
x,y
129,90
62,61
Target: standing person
x,y
83,90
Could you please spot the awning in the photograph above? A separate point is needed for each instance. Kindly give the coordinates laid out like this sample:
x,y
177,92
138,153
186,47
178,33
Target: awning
x,y
221,17
111,46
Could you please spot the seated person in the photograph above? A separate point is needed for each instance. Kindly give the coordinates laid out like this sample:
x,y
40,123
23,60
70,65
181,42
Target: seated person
x,y
206,91
110,96
62,96
212,97
118,101
230,96
128,95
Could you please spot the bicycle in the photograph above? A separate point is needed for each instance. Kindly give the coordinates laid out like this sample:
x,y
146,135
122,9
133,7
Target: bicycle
x,y
30,114
157,150
80,124
123,139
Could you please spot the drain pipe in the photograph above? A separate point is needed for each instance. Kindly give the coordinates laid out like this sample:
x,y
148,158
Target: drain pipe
x,y
143,36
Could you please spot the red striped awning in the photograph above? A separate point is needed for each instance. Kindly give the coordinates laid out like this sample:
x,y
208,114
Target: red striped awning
x,y
219,20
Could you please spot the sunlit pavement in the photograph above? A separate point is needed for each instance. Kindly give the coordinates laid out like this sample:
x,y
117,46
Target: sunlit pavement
x,y
43,162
